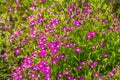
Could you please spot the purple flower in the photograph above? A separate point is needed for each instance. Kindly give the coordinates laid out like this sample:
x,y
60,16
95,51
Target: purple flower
x,y
96,75
43,53
105,55
43,1
83,63
79,67
70,10
16,1
68,45
32,76
118,67
102,43
64,28
78,50
34,68
116,28
76,23
105,21
92,34
111,74
73,43
67,72
81,78
71,5
54,51
93,47
17,51
14,74
54,61
88,36
103,32
59,75
9,9
46,69
93,64
41,64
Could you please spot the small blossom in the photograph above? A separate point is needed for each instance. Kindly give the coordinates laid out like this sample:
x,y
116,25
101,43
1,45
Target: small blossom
x,y
105,55
81,78
78,50
93,47
60,75
67,72
32,76
96,75
102,43
79,67
111,74
9,9
70,10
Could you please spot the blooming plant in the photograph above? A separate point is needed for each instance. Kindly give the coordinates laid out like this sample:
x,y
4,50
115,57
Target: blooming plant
x,y
59,40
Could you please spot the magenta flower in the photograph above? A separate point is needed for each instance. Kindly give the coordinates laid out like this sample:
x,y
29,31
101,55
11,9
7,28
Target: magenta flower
x,y
81,78
71,5
16,1
73,43
78,50
83,63
116,28
43,53
64,28
54,51
93,64
9,9
68,45
70,10
105,21
102,43
76,23
103,32
41,64
111,74
46,69
93,47
47,77
67,72
32,76
92,34
34,68
88,36
43,1
14,74
96,75
105,55
60,75
118,67
54,61
17,51
79,67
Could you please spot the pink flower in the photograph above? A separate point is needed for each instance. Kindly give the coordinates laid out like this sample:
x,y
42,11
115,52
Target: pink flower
x,y
43,1
70,10
81,78
17,51
60,75
9,9
92,34
78,50
79,67
43,53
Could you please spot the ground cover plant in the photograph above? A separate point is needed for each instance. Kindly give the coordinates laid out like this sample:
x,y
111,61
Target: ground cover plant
x,y
59,40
